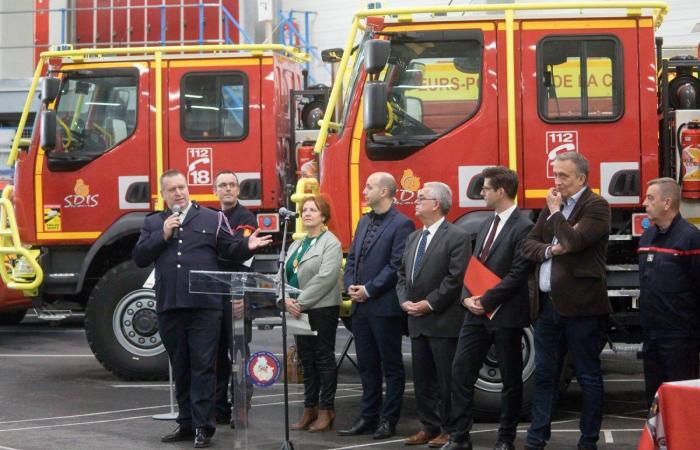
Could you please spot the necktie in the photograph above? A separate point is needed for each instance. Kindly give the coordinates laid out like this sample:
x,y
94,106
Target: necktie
x,y
420,252
489,240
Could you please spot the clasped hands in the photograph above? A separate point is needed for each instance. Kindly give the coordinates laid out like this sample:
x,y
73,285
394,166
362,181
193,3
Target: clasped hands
x,y
416,309
357,293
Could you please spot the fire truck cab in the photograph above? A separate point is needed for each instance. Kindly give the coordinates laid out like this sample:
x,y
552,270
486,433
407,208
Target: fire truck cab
x,y
112,121
440,93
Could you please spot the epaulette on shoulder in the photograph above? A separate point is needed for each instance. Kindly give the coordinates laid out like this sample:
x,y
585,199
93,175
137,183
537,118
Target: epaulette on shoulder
x,y
195,204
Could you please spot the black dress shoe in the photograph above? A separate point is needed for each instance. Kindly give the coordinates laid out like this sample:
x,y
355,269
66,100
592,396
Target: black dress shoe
x,y
503,445
453,445
202,438
362,426
181,433
385,430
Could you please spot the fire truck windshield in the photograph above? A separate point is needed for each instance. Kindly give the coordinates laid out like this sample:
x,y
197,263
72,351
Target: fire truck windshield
x,y
96,111
434,85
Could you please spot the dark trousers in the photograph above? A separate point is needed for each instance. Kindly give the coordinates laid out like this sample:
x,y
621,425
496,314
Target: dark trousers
x,y
378,347
191,338
432,380
224,358
583,338
475,340
317,354
668,360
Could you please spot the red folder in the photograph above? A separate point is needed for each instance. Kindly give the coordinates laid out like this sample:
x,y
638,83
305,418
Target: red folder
x,y
478,279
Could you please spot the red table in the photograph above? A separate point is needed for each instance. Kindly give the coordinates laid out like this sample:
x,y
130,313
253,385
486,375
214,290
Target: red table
x,y
674,418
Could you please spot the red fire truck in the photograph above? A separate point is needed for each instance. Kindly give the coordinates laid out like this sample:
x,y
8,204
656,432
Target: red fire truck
x,y
437,94
112,121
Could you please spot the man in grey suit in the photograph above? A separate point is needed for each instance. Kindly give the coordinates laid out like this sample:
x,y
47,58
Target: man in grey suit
x,y
498,245
428,287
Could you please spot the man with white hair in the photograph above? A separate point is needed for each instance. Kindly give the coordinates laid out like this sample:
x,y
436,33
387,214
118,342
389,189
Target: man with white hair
x,y
429,287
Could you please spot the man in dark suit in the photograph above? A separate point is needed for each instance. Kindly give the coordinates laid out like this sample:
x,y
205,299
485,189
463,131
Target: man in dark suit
x,y
429,286
241,221
377,319
189,324
569,242
497,246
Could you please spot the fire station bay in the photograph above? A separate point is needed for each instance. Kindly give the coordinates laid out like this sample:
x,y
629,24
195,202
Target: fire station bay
x,y
296,224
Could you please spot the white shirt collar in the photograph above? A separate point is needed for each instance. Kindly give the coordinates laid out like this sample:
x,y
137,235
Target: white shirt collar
x,y
576,196
434,227
505,215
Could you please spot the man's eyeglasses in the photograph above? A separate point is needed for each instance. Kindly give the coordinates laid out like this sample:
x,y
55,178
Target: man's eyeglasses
x,y
422,199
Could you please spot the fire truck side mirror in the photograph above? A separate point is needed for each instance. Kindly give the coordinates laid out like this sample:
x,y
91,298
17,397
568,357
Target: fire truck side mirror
x,y
332,55
375,113
49,89
48,130
376,55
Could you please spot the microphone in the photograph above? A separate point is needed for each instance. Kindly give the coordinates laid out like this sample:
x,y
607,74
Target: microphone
x,y
284,212
176,209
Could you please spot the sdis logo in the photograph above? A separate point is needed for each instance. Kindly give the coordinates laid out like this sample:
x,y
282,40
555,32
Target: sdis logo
x,y
82,197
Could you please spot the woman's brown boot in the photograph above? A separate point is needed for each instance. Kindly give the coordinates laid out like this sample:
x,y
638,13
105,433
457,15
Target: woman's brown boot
x,y
310,414
324,421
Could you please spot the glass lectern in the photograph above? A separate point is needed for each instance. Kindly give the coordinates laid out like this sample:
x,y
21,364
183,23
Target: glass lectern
x,y
257,355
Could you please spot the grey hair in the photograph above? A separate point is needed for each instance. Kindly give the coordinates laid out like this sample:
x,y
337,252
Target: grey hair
x,y
579,161
386,180
442,193
669,189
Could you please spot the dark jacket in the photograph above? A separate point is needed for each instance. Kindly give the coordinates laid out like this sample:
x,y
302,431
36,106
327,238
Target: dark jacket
x,y
506,261
383,258
669,280
242,222
578,276
203,238
439,280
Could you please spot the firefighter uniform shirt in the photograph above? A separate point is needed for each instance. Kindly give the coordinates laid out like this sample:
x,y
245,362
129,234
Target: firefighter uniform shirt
x,y
669,275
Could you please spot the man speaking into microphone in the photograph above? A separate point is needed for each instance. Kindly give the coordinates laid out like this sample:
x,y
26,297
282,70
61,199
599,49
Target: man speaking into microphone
x,y
183,238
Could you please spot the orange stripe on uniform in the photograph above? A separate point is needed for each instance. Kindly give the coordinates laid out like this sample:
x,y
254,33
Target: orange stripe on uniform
x,y
670,251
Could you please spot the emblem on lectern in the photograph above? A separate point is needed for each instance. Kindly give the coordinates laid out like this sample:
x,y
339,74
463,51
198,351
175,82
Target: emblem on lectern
x,y
263,369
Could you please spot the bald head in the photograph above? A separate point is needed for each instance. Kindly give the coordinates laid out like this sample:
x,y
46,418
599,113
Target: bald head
x,y
379,191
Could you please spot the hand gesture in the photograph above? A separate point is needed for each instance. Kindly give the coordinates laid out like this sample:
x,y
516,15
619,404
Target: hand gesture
x,y
357,293
474,305
238,308
169,225
557,250
554,200
256,241
293,307
418,309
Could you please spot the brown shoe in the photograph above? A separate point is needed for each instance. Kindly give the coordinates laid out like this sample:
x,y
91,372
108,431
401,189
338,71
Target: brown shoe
x,y
309,415
439,441
324,422
420,438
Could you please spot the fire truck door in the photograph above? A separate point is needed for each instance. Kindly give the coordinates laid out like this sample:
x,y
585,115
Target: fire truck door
x,y
101,154
214,123
580,94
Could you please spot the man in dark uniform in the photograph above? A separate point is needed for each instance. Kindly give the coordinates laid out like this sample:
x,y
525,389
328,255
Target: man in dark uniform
x,y
242,222
669,277
189,324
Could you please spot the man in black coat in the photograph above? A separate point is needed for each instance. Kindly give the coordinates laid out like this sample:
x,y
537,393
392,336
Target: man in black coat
x,y
497,246
429,286
377,319
183,238
242,222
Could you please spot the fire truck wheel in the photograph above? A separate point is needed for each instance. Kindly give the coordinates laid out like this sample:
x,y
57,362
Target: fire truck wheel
x,y
487,392
121,325
12,317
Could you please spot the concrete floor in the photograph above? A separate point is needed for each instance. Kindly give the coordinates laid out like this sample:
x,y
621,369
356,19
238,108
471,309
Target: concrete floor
x,y
54,394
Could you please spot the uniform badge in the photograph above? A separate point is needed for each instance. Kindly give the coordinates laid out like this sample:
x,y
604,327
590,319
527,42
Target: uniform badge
x,y
650,257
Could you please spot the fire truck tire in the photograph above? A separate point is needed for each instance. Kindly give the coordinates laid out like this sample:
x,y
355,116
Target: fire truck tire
x,y
311,114
121,325
12,317
487,392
